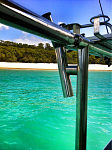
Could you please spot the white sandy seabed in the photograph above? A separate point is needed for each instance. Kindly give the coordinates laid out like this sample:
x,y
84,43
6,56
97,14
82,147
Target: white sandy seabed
x,y
47,66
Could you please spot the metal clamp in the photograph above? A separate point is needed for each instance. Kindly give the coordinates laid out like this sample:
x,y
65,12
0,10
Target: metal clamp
x,y
65,71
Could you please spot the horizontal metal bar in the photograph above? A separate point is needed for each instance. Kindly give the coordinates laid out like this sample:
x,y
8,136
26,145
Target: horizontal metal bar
x,y
71,70
95,39
102,23
17,17
83,42
36,25
70,26
18,6
92,47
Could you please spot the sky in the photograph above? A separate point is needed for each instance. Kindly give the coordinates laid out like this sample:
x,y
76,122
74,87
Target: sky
x,y
67,11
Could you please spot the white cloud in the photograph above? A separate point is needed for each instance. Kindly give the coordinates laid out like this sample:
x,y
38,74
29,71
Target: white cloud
x,y
32,40
25,33
3,27
60,23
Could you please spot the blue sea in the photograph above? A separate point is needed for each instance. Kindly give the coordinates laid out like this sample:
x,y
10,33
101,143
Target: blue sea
x,y
35,116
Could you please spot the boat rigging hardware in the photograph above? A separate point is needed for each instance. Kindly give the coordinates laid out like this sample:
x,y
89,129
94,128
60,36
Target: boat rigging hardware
x,y
15,15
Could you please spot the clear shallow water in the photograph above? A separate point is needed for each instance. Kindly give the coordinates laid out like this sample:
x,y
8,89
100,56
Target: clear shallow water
x,y
35,116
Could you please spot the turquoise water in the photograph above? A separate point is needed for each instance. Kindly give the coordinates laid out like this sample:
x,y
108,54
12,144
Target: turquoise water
x,y
35,116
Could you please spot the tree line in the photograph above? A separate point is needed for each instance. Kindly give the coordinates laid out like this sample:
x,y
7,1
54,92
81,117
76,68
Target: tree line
x,y
18,52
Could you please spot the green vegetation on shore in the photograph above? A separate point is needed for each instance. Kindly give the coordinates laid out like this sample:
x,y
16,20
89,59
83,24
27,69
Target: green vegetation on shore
x,y
18,52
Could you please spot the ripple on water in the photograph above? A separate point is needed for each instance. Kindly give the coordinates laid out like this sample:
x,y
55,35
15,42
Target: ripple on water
x,y
34,114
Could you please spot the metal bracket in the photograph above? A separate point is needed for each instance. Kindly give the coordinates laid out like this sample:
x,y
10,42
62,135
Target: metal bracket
x,y
65,71
96,25
76,28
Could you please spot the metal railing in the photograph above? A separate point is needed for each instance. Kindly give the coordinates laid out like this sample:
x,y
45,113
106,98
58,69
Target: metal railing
x,y
15,15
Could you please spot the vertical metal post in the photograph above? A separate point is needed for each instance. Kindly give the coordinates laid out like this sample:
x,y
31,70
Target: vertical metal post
x,y
81,99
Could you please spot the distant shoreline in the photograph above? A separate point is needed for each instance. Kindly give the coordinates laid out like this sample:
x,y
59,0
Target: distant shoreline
x,y
47,66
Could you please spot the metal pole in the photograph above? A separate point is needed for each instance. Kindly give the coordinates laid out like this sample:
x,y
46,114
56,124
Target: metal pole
x,y
81,99
64,77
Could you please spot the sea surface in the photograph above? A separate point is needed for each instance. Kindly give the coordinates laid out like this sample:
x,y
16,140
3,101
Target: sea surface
x,y
35,116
